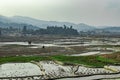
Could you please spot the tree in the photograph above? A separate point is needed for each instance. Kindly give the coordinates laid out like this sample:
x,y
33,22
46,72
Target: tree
x,y
65,27
0,32
24,30
10,28
71,27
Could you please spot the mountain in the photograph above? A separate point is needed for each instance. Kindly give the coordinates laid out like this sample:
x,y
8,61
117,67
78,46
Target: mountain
x,y
20,21
16,21
84,27
6,22
112,29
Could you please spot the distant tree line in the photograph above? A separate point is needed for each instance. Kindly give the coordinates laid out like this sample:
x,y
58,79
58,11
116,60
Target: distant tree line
x,y
55,30
50,30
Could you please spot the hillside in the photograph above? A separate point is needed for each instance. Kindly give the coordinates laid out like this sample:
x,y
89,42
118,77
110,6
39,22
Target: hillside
x,y
112,29
15,21
20,21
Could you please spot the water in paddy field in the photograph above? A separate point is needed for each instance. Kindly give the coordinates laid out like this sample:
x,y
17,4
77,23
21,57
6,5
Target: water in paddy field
x,y
31,69
76,41
18,69
96,77
24,43
65,44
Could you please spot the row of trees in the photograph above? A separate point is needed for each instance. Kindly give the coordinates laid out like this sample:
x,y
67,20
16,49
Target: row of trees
x,y
54,30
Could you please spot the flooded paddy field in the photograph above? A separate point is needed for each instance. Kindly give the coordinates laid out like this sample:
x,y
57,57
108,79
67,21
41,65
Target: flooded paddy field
x,y
83,51
67,46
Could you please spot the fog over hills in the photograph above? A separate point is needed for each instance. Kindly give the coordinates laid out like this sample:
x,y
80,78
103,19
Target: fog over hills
x,y
19,21
8,21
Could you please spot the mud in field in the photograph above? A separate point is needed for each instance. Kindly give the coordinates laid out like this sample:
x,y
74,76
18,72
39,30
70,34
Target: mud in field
x,y
56,45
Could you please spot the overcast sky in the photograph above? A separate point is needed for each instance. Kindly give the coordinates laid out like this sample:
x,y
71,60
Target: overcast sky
x,y
92,12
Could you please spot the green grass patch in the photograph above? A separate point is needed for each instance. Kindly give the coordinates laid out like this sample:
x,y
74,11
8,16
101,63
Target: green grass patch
x,y
106,60
91,61
22,59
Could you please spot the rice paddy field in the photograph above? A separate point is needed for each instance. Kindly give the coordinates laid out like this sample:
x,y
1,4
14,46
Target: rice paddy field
x,y
84,51
93,52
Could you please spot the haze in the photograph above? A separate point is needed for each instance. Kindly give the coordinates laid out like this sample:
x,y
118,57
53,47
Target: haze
x,y
92,12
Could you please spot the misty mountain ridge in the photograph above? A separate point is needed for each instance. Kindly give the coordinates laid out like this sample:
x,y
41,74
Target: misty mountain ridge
x,y
40,23
20,21
112,29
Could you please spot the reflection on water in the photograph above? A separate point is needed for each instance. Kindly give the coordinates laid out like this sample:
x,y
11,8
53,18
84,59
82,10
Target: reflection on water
x,y
60,44
25,43
95,77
